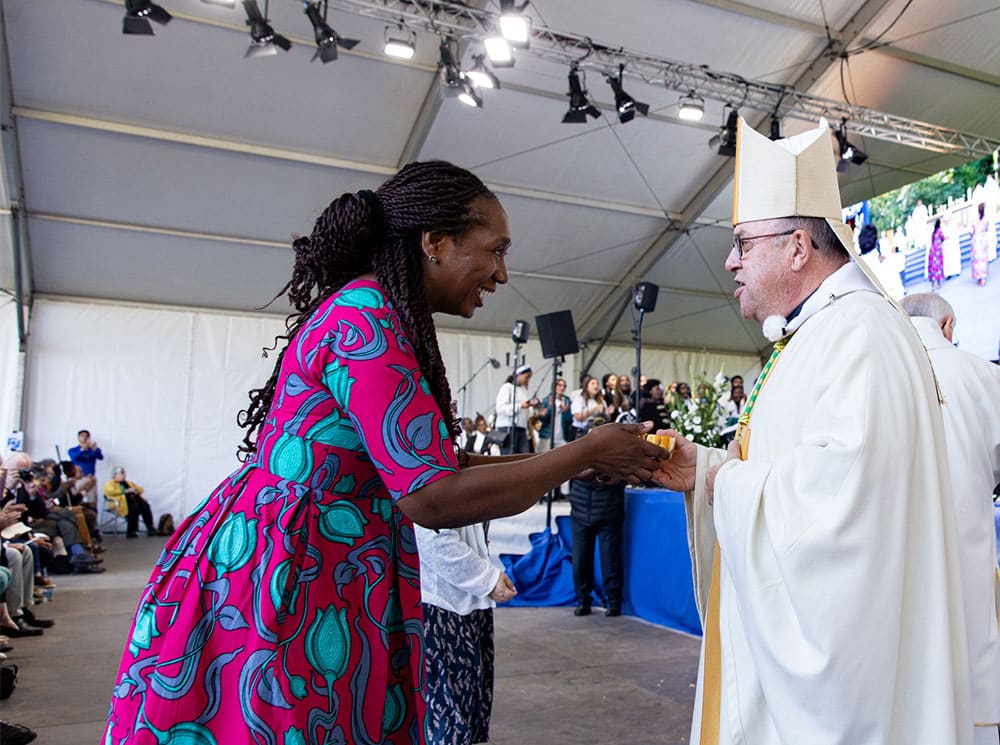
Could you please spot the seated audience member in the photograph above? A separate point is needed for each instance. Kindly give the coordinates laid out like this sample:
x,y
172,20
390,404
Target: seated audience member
x,y
734,406
70,493
467,435
117,488
53,521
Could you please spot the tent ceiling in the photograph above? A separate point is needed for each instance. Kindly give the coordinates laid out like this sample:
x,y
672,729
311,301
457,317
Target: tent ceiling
x,y
171,169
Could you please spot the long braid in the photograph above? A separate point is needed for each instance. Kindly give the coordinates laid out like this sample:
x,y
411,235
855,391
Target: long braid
x,y
358,233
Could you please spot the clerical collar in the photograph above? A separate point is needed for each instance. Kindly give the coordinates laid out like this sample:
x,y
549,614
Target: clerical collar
x,y
849,278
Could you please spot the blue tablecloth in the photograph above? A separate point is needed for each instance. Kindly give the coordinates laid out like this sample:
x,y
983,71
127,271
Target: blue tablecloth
x,y
658,586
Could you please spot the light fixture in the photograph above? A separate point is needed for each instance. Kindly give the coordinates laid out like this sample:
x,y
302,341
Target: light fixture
x,y
263,40
480,75
223,3
514,24
691,108
451,72
775,127
579,105
468,95
398,45
848,153
139,13
499,51
626,105
724,143
327,40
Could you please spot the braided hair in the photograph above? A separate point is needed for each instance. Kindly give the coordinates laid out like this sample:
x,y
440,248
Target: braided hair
x,y
377,231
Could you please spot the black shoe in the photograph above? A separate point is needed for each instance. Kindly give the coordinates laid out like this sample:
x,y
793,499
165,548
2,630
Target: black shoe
x,y
5,648
613,610
131,535
39,623
152,533
15,734
583,609
88,569
83,559
20,629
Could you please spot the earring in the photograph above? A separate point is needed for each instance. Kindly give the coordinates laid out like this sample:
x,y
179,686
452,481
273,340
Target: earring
x,y
433,259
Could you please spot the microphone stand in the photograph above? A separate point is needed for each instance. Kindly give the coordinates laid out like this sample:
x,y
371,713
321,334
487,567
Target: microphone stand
x,y
638,362
465,386
513,398
553,423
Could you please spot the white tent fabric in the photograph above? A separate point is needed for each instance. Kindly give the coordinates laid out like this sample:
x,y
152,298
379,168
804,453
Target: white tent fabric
x,y
159,387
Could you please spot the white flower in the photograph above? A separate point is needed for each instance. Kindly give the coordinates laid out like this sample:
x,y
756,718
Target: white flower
x,y
675,414
697,420
697,429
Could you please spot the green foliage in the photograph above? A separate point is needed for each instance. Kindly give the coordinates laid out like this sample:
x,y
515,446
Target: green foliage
x,y
891,210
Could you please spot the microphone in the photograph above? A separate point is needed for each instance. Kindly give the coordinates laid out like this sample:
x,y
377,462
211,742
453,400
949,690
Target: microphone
x,y
494,363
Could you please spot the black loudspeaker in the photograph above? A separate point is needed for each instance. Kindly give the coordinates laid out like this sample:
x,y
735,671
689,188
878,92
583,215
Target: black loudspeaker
x,y
644,296
557,334
519,333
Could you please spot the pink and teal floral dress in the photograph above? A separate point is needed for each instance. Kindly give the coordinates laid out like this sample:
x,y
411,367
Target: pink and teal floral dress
x,y
286,608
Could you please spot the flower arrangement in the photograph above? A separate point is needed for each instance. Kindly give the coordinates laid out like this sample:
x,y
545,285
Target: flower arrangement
x,y
699,418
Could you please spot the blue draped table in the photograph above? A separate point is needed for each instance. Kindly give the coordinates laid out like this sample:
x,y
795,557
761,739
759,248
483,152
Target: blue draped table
x,y
658,585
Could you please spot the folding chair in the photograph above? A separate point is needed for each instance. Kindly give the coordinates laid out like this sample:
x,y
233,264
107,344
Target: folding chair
x,y
113,515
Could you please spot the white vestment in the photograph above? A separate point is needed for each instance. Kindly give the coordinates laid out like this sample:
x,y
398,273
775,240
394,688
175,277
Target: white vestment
x,y
972,432
840,615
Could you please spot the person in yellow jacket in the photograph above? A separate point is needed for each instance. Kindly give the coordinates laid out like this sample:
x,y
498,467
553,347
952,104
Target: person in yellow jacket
x,y
129,503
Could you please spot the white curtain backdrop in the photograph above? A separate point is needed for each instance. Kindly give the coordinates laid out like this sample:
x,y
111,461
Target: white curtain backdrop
x,y
160,387
9,378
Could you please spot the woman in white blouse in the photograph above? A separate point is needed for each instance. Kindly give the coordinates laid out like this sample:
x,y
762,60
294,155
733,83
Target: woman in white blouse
x,y
588,405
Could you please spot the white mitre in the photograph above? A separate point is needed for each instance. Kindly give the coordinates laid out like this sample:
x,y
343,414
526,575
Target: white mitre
x,y
793,177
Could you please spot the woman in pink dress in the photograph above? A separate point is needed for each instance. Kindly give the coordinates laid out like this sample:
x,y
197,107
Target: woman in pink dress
x,y
981,237
286,608
935,257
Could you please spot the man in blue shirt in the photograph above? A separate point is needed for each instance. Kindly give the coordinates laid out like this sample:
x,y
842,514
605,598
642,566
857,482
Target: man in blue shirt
x,y
86,454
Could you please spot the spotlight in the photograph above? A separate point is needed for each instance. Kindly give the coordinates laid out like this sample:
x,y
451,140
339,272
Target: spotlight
x,y
775,128
724,143
579,106
691,108
138,14
626,105
848,153
451,73
499,51
514,25
263,40
467,94
480,75
399,46
327,40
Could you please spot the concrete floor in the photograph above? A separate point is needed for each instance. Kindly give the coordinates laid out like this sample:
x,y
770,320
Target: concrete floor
x,y
561,680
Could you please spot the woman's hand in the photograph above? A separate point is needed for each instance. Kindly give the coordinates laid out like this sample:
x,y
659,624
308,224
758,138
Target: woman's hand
x,y
504,589
620,453
678,472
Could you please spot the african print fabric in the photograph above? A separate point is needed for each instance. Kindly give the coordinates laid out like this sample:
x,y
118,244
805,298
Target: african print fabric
x,y
286,608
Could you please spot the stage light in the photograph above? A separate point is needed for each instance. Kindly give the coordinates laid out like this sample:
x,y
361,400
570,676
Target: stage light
x,y
579,105
480,75
848,153
724,143
327,40
468,95
399,46
263,40
499,51
139,13
626,105
691,108
451,73
514,25
775,128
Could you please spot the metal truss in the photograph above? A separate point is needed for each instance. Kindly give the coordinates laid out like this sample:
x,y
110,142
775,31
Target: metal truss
x,y
781,101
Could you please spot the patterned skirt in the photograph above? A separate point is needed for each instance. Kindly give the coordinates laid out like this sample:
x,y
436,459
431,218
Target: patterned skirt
x,y
459,685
